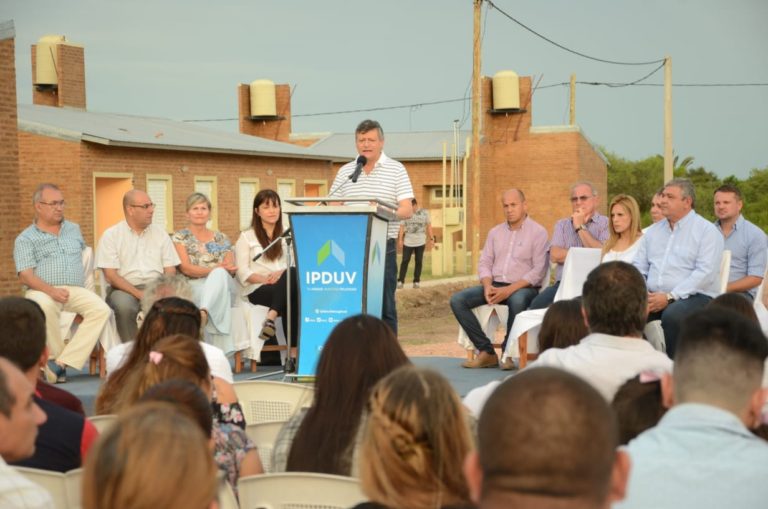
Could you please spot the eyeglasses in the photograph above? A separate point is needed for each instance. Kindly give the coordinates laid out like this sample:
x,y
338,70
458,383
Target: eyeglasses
x,y
54,204
574,199
145,206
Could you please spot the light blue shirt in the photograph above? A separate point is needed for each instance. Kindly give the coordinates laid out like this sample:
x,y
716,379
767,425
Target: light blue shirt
x,y
698,456
748,245
684,261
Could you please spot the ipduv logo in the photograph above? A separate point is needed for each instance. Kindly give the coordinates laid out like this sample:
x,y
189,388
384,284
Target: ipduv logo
x,y
376,254
330,250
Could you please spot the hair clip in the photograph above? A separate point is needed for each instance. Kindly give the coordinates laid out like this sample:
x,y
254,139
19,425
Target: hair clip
x,y
155,357
649,376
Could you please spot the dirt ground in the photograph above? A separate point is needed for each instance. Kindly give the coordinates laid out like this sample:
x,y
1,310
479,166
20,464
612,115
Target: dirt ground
x,y
426,324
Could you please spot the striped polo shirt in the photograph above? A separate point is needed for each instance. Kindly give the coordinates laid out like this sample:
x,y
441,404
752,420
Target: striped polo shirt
x,y
387,181
57,259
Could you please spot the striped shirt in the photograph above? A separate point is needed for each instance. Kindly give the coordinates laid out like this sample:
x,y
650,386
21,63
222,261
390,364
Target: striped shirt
x,y
387,181
56,259
566,236
511,255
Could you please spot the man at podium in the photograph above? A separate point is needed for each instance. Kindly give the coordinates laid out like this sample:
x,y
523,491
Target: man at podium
x,y
373,174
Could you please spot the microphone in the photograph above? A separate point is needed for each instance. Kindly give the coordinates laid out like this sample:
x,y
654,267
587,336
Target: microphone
x,y
283,235
361,161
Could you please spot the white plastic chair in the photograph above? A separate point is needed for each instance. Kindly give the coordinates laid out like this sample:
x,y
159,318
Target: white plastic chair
x,y
65,489
303,490
268,401
264,435
760,309
103,422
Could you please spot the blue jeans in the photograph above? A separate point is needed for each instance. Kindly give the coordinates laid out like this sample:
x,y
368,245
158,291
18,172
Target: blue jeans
x,y
464,301
545,298
388,306
673,315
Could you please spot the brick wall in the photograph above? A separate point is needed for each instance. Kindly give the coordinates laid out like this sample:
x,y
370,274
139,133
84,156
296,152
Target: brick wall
x,y
9,161
70,73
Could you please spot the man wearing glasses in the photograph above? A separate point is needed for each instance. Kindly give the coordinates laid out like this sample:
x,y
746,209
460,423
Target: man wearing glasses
x,y
48,256
131,254
585,228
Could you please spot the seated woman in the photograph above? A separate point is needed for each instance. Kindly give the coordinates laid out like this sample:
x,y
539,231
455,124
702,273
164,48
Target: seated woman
x,y
563,325
264,280
208,262
415,443
360,350
624,228
153,456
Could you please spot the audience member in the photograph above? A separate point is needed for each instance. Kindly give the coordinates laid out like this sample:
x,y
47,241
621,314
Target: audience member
x,y
359,352
563,325
208,262
702,454
624,228
167,285
188,398
655,212
747,243
414,443
511,270
546,439
585,228
49,262
64,438
737,302
19,419
680,260
131,254
264,280
638,405
615,306
153,456
415,235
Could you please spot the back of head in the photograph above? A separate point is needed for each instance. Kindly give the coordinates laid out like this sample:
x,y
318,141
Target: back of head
x,y
638,405
153,456
563,325
615,299
415,442
735,302
23,331
167,285
358,353
547,434
187,398
719,359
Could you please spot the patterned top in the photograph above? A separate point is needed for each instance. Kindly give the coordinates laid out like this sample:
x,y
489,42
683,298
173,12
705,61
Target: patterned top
x,y
209,254
566,236
16,491
56,259
231,441
415,228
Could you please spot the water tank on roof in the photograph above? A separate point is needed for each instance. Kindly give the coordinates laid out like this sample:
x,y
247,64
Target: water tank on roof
x,y
506,91
46,59
263,99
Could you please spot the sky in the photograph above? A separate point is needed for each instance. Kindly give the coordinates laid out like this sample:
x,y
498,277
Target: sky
x,y
183,59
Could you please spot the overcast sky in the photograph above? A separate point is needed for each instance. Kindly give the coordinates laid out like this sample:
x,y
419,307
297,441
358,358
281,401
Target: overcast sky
x,y
182,59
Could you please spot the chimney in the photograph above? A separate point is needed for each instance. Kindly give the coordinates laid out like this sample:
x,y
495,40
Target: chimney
x,y
264,110
58,72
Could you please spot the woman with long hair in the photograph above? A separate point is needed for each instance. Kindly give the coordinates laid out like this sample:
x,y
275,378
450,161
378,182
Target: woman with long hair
x,y
208,263
624,227
563,325
415,443
264,280
359,352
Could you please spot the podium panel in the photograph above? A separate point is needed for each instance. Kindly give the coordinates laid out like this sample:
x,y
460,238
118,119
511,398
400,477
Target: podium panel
x,y
340,268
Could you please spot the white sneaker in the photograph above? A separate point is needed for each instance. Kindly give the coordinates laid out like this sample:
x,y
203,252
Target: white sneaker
x,y
399,285
416,285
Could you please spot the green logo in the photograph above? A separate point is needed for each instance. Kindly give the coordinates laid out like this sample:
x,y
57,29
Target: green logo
x,y
330,248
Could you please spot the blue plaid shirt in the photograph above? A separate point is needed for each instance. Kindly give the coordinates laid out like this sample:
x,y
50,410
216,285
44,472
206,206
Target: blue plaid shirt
x,y
56,259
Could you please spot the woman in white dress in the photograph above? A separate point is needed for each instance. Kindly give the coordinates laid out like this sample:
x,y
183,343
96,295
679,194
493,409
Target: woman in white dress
x,y
624,226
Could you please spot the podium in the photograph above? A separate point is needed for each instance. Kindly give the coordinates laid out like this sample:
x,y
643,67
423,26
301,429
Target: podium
x,y
340,252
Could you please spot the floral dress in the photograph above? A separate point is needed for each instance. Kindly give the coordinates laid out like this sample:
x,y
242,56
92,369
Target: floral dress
x,y
204,254
232,443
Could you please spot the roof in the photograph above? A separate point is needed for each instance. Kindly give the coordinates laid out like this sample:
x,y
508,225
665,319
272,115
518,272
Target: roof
x,y
410,146
114,129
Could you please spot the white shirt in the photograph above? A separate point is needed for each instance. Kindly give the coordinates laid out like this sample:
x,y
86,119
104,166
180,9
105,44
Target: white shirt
x,y
246,248
606,361
217,361
18,492
622,256
138,258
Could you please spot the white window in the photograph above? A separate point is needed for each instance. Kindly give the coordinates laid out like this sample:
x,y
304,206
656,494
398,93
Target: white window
x,y
208,187
248,190
159,190
286,188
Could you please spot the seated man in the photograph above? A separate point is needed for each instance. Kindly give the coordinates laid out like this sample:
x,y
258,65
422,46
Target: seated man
x,y
546,439
511,269
65,437
680,259
48,256
702,454
132,253
19,418
585,228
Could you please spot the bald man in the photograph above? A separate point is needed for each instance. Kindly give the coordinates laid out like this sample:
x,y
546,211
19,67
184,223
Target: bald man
x,y
131,254
546,439
511,270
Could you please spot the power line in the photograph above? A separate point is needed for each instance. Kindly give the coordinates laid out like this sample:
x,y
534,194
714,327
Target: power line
x,y
534,32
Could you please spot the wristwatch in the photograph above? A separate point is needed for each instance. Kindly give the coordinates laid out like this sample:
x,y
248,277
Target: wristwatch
x,y
581,228
670,299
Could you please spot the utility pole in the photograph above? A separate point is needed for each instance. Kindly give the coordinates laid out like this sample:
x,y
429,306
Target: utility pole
x,y
668,160
573,100
475,148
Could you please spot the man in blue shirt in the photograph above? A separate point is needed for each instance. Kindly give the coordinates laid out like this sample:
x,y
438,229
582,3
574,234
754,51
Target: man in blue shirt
x,y
680,259
746,242
702,454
